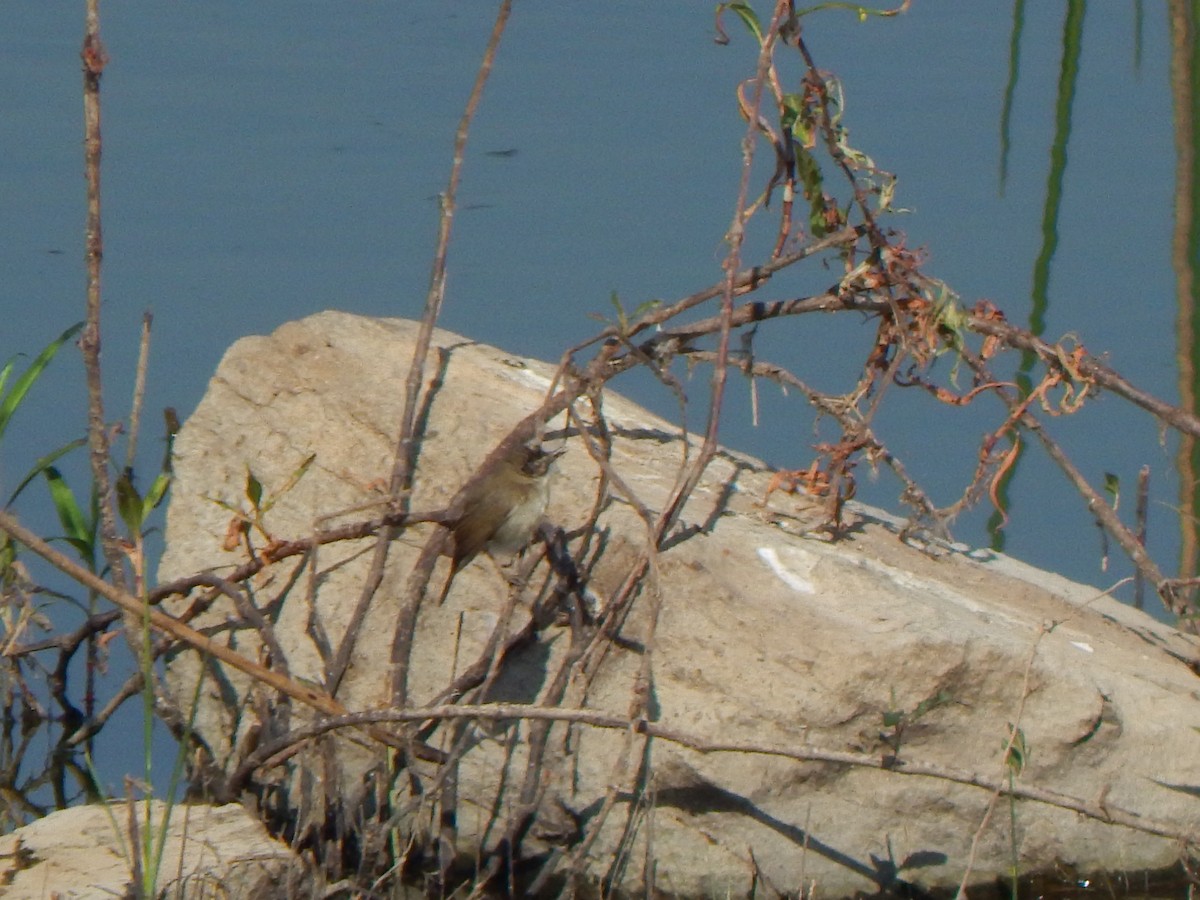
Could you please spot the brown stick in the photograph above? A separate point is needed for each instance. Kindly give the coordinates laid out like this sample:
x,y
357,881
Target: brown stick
x,y
1143,503
95,58
1096,504
160,621
1103,812
1091,368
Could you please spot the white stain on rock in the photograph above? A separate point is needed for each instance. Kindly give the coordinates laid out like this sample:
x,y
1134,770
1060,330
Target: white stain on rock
x,y
785,573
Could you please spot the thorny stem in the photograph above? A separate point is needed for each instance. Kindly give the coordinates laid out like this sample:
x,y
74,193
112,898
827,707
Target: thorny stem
x,y
1096,504
94,60
406,450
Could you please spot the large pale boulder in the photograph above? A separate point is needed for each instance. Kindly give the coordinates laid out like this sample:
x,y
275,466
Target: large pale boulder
x,y
752,631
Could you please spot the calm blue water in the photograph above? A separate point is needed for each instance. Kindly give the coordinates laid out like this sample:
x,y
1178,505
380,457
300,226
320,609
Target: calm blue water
x,y
265,161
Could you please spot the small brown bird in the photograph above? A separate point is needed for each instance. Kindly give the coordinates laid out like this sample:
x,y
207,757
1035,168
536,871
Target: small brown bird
x,y
501,512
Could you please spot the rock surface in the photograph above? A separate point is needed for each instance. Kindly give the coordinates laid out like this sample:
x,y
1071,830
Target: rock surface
x,y
84,852
765,634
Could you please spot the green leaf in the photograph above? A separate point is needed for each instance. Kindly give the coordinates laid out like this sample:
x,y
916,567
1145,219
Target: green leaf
x,y
942,698
129,505
154,496
73,521
228,507
171,420
622,318
79,529
951,316
292,481
748,16
12,399
791,117
808,170
254,489
646,306
8,556
42,464
1112,486
1018,753
4,373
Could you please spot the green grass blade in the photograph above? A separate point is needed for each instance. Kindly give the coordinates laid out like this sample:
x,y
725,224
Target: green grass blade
x,y
4,374
42,464
12,399
80,532
154,496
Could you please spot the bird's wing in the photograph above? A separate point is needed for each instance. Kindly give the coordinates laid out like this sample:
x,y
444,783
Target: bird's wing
x,y
484,516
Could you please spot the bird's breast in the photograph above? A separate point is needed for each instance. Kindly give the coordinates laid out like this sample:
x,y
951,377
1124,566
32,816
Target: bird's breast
x,y
516,529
